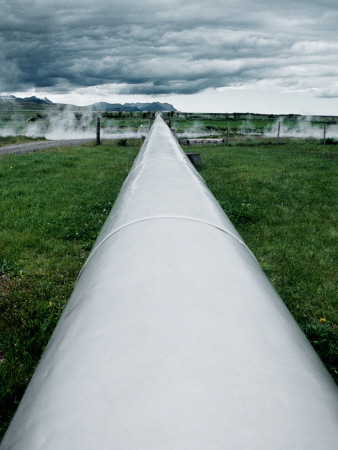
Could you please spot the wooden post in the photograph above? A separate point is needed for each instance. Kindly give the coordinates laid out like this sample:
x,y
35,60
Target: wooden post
x,y
227,140
98,131
278,132
324,140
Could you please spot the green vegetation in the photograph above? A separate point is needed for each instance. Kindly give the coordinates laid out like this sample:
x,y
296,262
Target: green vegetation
x,y
10,140
280,198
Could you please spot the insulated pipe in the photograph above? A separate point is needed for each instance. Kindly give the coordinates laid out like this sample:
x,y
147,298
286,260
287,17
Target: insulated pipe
x,y
173,338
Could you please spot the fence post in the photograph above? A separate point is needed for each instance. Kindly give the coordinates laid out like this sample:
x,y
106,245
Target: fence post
x,y
227,140
278,132
324,140
98,131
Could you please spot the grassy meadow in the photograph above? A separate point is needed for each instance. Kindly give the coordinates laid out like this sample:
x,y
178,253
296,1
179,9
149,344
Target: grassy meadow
x,y
282,200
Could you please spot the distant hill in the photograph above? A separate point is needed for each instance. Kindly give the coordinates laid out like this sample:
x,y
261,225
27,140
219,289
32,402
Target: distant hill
x,y
33,99
155,106
12,103
11,100
44,101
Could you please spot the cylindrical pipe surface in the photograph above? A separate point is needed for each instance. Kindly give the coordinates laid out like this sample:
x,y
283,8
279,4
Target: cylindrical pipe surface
x,y
173,337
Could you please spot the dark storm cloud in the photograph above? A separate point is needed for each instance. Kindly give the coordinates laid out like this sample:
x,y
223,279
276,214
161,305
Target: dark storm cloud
x,y
163,47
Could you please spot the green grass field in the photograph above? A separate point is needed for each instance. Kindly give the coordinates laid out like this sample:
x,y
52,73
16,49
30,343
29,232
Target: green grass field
x,y
282,200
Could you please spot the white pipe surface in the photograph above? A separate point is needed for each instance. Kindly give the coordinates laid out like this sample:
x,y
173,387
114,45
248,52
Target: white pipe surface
x,y
173,338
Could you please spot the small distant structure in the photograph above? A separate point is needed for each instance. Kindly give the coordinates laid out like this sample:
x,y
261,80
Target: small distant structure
x,y
201,141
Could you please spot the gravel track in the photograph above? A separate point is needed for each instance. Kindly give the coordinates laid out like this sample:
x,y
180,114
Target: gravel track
x,y
41,145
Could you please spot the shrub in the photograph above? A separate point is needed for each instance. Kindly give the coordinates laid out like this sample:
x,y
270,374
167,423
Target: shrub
x,y
122,142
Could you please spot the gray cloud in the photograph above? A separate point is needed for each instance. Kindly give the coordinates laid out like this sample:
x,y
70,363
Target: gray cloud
x,y
163,47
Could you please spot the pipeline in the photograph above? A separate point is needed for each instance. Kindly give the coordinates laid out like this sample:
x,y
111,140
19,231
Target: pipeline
x,y
173,337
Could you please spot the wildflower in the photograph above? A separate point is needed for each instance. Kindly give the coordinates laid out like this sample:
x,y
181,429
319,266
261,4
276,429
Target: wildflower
x,y
50,304
322,320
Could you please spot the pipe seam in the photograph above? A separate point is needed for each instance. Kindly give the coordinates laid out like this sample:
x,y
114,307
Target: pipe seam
x,y
122,227
182,161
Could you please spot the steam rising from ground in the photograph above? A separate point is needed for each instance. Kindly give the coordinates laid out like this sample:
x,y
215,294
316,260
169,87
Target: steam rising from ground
x,y
67,124
62,124
304,128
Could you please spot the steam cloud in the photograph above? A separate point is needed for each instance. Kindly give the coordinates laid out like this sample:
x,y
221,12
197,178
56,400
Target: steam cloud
x,y
303,129
67,124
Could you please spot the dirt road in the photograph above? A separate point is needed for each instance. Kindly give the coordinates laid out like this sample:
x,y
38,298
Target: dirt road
x,y
41,145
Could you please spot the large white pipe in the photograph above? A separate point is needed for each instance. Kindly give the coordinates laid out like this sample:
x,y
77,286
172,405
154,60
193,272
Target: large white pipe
x,y
173,338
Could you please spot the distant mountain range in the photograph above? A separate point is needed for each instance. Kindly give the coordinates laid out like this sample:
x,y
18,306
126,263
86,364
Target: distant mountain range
x,y
33,99
102,106
155,106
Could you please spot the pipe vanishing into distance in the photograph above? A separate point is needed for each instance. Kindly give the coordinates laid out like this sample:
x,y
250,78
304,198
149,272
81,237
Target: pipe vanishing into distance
x,y
173,338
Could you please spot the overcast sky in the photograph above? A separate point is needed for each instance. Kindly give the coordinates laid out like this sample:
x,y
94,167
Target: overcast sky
x,y
222,56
